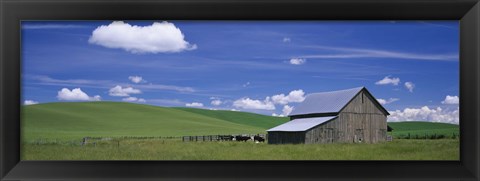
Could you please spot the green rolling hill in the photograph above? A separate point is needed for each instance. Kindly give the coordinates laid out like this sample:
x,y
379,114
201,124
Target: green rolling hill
x,y
244,118
75,120
114,119
423,128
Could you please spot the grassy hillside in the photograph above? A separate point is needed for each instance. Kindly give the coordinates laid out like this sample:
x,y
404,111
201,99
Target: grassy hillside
x,y
110,119
66,121
244,118
421,128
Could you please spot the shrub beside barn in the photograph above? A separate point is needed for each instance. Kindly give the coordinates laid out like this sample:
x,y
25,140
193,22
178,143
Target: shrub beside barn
x,y
346,116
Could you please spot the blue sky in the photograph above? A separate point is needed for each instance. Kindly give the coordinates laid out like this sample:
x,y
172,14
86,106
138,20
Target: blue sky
x,y
266,67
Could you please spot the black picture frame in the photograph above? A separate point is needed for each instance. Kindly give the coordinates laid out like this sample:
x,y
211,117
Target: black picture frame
x,y
13,11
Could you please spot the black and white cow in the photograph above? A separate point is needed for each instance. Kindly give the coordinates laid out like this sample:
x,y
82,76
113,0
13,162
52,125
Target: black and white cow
x,y
258,138
242,138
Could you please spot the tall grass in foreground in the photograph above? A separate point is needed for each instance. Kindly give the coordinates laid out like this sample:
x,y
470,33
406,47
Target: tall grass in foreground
x,y
157,149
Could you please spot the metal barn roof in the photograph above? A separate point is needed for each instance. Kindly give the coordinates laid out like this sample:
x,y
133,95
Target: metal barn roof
x,y
325,102
302,124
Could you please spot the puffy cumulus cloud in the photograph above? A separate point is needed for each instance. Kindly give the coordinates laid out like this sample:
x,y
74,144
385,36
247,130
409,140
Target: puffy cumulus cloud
x,y
194,104
216,102
119,91
383,101
29,102
247,103
75,95
387,80
159,37
287,110
136,79
426,114
286,40
410,86
298,61
293,96
133,99
451,100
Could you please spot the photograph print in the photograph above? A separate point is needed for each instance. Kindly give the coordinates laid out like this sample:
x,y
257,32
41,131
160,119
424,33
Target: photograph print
x,y
240,90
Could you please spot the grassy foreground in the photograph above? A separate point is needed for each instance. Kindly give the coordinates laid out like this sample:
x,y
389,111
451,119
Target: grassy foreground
x,y
158,149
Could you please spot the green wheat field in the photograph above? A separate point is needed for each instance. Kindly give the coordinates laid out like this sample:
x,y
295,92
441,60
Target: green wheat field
x,y
127,131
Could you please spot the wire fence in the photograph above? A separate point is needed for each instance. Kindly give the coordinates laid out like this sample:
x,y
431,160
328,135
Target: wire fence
x,y
432,136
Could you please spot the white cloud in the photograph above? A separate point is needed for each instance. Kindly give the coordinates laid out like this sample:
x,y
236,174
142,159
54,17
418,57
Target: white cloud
x,y
298,61
383,101
425,114
234,110
293,96
278,115
194,104
29,102
45,80
96,98
388,80
247,103
286,40
119,91
75,95
157,38
344,52
246,84
130,99
287,110
133,99
136,79
216,102
410,86
451,100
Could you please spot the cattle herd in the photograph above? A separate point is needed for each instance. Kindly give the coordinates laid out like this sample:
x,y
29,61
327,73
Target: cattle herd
x,y
241,137
244,138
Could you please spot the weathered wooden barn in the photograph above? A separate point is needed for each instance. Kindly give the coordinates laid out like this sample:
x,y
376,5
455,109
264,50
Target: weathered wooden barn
x,y
348,116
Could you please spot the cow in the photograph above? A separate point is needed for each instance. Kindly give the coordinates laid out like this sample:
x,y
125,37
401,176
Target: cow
x,y
242,138
258,138
225,137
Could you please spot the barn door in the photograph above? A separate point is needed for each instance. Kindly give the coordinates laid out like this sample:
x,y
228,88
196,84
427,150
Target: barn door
x,y
359,136
329,135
